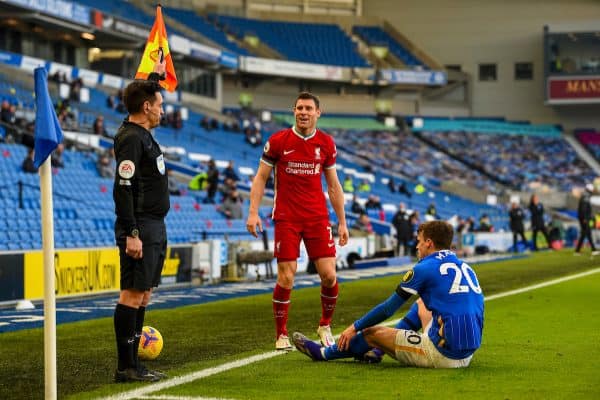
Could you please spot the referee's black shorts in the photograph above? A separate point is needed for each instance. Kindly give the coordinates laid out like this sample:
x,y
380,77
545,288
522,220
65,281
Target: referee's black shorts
x,y
143,274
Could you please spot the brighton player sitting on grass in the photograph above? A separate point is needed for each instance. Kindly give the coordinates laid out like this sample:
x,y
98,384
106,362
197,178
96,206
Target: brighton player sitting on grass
x,y
450,311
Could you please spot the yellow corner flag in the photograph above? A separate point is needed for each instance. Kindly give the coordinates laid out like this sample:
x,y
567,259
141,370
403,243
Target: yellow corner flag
x,y
157,43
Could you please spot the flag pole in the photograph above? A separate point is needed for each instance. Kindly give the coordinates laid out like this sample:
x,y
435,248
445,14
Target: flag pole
x,y
49,284
48,135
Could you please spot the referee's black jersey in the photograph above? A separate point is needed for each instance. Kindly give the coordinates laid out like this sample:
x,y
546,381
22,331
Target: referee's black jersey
x,y
141,182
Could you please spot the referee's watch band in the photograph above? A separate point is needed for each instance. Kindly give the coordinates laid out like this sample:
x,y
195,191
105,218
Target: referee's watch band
x,y
134,233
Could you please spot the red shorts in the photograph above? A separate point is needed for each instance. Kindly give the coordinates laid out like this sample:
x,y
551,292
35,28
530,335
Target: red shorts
x,y
317,237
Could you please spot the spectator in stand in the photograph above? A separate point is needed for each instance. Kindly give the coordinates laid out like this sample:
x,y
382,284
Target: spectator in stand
x,y
348,184
420,188
204,123
469,225
232,206
402,189
516,224
198,182
120,106
56,158
172,183
231,125
212,182
431,212
59,77
356,208
392,185
404,230
373,203
66,115
105,164
364,186
28,165
484,224
227,188
229,172
363,224
7,112
177,121
98,126
214,124
536,208
76,86
253,136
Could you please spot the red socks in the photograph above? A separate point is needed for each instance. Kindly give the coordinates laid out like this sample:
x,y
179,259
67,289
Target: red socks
x,y
328,301
281,305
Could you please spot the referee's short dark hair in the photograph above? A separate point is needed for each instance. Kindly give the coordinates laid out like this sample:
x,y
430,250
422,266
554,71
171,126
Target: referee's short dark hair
x,y
138,92
307,96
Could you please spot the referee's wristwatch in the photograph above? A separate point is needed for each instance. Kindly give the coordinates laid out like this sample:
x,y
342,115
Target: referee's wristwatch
x,y
135,233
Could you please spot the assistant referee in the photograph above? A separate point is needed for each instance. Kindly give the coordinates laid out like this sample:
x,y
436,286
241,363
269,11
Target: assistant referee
x,y
141,198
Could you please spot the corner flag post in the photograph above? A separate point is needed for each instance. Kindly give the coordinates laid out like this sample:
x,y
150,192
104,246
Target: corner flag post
x,y
48,135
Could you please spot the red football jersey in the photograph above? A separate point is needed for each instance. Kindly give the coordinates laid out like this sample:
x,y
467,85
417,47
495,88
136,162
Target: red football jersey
x,y
299,162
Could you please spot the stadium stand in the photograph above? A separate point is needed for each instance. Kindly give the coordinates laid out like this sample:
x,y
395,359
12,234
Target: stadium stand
x,y
403,153
127,10
205,28
369,150
518,161
376,36
84,207
295,40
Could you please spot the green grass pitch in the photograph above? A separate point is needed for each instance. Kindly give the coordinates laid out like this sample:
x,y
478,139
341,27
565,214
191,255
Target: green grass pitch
x,y
540,344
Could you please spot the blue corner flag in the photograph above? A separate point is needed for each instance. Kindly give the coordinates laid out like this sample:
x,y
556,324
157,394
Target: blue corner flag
x,y
48,133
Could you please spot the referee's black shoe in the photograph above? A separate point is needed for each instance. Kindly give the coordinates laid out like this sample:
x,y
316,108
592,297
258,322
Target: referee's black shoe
x,y
158,374
135,375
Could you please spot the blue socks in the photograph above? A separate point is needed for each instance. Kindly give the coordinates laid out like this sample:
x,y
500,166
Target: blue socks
x,y
358,346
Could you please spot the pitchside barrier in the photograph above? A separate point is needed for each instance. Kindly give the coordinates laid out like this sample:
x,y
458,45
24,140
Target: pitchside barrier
x,y
81,272
78,272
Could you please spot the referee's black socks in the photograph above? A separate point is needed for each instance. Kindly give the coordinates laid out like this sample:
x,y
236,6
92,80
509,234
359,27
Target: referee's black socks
x,y
125,320
139,324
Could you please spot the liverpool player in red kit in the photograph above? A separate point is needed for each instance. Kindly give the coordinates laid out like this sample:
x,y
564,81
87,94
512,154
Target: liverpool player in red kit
x,y
299,156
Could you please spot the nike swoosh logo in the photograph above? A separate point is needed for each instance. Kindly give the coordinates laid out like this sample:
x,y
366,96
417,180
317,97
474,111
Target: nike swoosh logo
x,y
330,244
286,152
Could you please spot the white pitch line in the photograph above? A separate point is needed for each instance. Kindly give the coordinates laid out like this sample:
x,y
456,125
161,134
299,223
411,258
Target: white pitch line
x,y
168,397
543,284
180,380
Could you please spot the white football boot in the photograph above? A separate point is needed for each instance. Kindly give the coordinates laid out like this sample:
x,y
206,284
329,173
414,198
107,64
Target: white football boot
x,y
325,335
283,343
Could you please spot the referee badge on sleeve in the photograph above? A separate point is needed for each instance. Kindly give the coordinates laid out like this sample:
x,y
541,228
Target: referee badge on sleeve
x,y
160,164
126,169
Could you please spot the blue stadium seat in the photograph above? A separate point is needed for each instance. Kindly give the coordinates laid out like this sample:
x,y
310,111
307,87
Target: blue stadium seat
x,y
376,36
294,40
